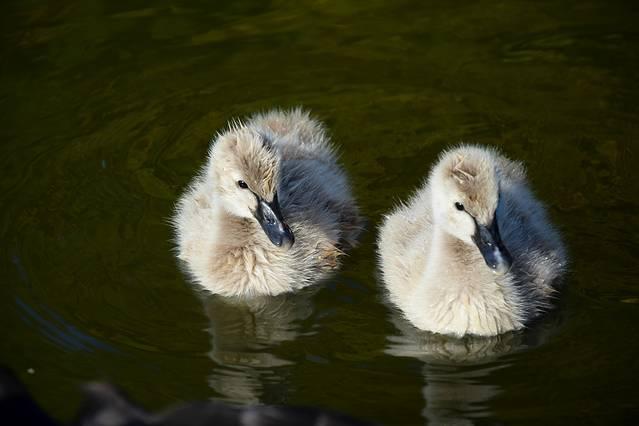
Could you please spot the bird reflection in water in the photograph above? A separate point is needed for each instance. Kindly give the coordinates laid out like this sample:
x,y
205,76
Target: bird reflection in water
x,y
457,371
245,336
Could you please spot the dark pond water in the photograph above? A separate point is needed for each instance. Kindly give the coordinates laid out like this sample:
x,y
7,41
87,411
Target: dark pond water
x,y
107,108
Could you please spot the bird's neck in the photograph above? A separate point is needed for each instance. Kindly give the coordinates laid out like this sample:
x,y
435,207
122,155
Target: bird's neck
x,y
448,257
233,231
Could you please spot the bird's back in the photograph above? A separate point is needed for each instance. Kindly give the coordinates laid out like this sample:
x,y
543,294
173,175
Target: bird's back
x,y
538,253
313,188
295,134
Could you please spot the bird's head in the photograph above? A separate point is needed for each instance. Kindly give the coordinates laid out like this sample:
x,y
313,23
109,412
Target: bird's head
x,y
466,197
245,169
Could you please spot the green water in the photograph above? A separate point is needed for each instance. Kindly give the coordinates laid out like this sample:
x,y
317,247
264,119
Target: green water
x,y
107,108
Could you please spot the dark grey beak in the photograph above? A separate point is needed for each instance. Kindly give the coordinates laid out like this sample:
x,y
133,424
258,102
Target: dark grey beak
x,y
491,248
270,217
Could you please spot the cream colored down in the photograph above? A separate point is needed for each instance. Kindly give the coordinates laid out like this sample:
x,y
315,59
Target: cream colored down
x,y
223,246
436,275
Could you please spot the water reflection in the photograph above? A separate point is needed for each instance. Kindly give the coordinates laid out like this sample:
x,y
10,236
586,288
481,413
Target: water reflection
x,y
455,396
458,373
245,335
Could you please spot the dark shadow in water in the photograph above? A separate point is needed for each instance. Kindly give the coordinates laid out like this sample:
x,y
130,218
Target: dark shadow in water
x,y
244,336
457,371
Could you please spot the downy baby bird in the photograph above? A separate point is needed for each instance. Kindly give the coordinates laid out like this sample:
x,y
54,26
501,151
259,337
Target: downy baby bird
x,y
472,251
270,212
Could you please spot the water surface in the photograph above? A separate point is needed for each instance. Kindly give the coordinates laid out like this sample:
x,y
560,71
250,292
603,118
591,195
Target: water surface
x,y
107,110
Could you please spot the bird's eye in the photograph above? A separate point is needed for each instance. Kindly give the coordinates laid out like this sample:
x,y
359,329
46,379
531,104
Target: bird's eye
x,y
459,206
242,184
